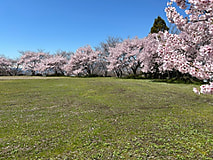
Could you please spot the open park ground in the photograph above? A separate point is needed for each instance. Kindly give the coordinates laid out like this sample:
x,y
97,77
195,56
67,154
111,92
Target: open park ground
x,y
103,118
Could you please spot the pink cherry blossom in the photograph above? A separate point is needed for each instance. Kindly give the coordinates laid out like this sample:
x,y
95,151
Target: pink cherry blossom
x,y
30,61
53,63
196,91
192,50
83,62
5,66
125,57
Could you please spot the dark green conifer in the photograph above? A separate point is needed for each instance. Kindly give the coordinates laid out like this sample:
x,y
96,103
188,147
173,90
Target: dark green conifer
x,y
159,25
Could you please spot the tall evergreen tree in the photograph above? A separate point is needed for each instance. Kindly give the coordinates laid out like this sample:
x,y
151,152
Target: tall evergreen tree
x,y
159,25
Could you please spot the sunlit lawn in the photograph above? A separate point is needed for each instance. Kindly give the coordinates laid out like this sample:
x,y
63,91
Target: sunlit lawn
x,y
103,118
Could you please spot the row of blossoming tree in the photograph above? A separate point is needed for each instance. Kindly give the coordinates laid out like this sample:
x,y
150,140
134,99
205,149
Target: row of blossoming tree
x,y
159,55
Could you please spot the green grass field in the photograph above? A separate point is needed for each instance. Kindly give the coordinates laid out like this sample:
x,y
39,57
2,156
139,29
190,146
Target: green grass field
x,y
103,118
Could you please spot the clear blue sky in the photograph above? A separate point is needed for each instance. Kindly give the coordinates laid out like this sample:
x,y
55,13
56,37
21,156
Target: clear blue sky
x,y
69,24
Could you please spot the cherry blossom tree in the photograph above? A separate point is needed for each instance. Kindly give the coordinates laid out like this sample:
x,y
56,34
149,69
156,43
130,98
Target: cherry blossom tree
x,y
125,57
104,47
173,58
190,51
54,64
134,55
15,69
149,56
83,62
5,66
30,61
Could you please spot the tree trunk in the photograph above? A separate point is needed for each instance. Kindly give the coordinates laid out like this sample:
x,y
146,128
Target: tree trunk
x,y
33,73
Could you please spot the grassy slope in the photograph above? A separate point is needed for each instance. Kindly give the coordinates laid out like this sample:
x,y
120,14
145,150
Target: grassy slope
x,y
103,118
